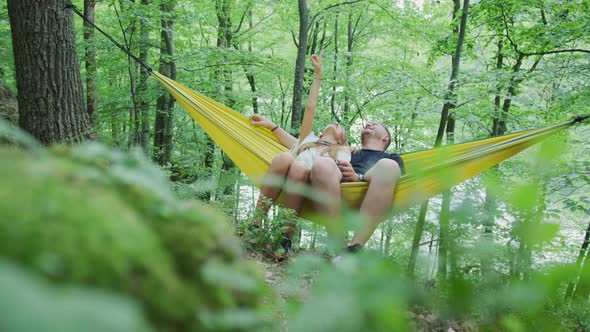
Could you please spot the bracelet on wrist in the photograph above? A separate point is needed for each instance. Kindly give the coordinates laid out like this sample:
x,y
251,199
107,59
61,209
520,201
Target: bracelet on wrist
x,y
275,128
361,178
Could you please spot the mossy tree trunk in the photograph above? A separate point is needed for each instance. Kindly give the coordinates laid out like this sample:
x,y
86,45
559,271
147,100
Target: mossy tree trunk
x,y
50,91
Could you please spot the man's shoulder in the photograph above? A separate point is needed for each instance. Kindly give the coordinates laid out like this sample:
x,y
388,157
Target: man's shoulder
x,y
392,155
383,154
365,154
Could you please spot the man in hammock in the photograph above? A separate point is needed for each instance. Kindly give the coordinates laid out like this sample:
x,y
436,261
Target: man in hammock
x,y
370,164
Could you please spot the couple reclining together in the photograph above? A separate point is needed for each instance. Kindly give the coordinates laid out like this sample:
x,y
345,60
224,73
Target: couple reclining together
x,y
325,161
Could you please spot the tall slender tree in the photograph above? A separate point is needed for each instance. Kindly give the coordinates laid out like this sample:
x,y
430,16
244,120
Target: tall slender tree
x,y
144,102
446,125
300,66
165,104
90,58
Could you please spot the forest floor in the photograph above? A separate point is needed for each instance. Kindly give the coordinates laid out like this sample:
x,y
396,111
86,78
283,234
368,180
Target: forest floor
x,y
276,274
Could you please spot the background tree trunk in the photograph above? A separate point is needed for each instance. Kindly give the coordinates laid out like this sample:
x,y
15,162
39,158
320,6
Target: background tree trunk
x,y
134,123
165,104
90,58
490,197
228,171
300,67
580,260
446,124
583,284
50,91
144,102
335,77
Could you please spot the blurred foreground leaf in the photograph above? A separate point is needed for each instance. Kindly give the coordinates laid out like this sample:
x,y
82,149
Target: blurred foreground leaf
x,y
30,304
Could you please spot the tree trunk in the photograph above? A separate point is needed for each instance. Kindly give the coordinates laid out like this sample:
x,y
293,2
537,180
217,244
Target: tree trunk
x,y
580,265
144,104
134,123
90,59
333,97
165,104
114,122
511,92
417,236
583,287
447,124
50,92
388,236
497,99
449,104
490,204
299,67
349,45
227,174
249,75
252,82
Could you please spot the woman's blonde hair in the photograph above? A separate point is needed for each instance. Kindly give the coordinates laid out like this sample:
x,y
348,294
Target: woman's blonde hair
x,y
330,150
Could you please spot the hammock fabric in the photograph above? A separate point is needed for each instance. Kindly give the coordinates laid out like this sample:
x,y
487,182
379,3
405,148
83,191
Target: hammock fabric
x,y
428,172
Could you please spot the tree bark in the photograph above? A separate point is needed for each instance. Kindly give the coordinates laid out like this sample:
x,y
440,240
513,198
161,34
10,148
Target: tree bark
x,y
49,84
165,104
417,236
134,134
90,59
447,124
144,103
583,285
249,76
490,204
347,92
333,97
299,67
225,40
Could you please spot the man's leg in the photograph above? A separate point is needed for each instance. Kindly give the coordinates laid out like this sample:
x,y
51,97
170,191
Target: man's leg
x,y
325,179
382,179
273,184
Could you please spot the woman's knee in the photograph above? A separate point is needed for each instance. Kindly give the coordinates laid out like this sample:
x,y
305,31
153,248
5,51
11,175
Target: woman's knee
x,y
324,166
282,161
298,172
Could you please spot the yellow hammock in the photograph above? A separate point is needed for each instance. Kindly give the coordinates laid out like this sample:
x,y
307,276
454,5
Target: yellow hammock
x,y
428,172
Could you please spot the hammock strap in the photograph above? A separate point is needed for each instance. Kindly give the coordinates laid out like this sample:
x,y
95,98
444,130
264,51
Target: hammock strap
x,y
71,6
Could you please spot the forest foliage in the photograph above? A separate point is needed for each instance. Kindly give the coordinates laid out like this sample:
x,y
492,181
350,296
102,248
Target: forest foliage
x,y
514,257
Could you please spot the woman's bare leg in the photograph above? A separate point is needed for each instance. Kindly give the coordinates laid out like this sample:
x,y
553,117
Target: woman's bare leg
x,y
273,184
297,179
325,179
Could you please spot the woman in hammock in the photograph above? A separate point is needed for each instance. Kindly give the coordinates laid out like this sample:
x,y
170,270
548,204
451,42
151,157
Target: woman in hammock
x,y
291,168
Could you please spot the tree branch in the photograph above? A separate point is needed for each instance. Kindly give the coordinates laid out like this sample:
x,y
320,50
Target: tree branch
x,y
333,6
